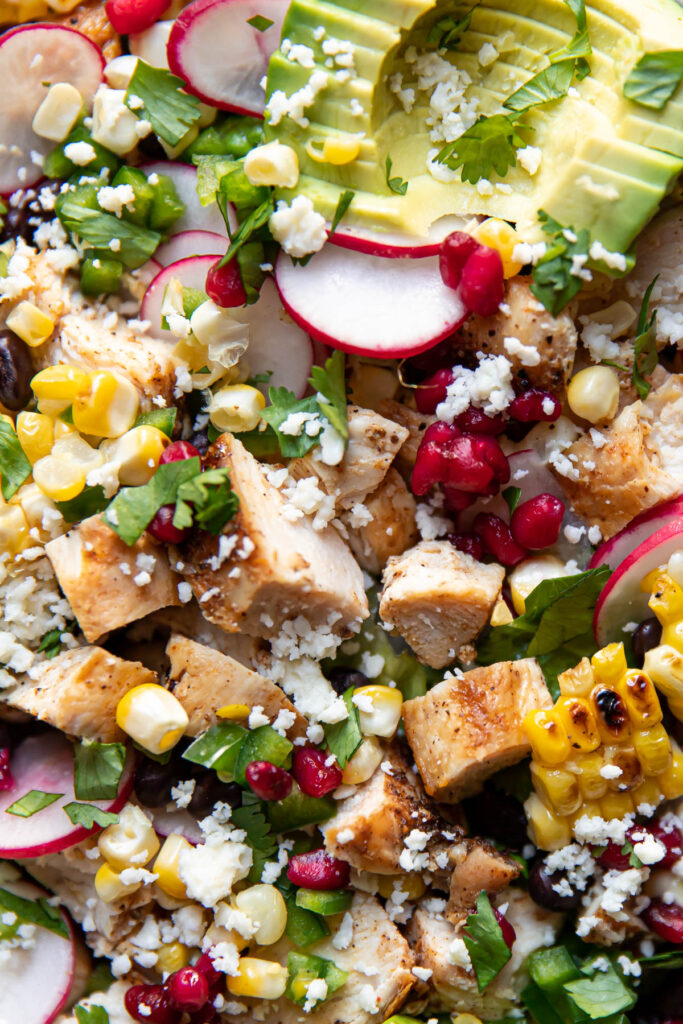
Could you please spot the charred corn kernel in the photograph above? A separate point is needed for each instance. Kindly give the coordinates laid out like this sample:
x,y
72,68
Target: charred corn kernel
x,y
411,883
13,529
109,408
236,407
526,576
364,762
272,164
547,830
166,866
649,582
264,905
500,235
30,324
667,599
501,614
664,666
576,716
578,681
234,711
61,383
110,888
152,716
260,979
640,697
648,794
59,479
379,709
587,768
36,434
548,738
131,842
593,394
610,714
558,789
73,448
171,956
135,454
616,805
625,758
609,664
653,748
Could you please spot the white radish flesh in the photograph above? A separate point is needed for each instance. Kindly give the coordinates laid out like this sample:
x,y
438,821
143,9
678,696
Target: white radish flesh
x,y
191,243
191,273
617,548
395,245
150,45
196,216
171,823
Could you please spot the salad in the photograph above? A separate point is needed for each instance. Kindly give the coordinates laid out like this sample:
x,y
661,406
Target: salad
x,y
341,515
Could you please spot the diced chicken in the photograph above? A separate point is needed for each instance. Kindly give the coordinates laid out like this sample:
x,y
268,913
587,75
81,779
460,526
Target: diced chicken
x,y
78,690
478,866
107,583
603,927
415,423
463,730
438,599
40,277
263,570
372,828
188,621
373,443
91,19
392,528
524,321
658,254
205,680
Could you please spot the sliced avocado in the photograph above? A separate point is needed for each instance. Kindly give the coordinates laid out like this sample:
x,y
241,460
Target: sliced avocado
x,y
606,163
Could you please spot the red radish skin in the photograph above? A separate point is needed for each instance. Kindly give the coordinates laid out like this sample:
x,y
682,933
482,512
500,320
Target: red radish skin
x,y
191,272
620,546
185,244
196,216
395,245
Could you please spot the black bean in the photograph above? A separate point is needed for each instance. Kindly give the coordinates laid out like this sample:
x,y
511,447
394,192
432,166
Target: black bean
x,y
153,782
541,890
16,371
209,790
647,636
498,816
342,678
151,148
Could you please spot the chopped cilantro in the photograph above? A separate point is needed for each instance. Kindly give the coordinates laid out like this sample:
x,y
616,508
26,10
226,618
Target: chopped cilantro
x,y
136,244
330,385
263,843
344,738
655,78
512,496
447,32
32,802
37,912
14,466
345,200
259,216
550,84
555,282
170,111
397,184
98,768
489,145
91,1015
206,501
486,946
260,23
134,508
88,503
51,643
645,344
601,995
328,402
88,815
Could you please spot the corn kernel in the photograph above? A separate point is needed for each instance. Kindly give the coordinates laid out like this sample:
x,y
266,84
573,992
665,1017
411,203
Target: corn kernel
x,y
625,758
664,666
577,718
587,768
260,979
36,434
236,408
30,324
341,149
364,762
13,529
412,884
272,164
34,504
526,576
466,1018
379,709
61,383
171,956
616,805
217,932
152,716
62,429
674,567
577,681
74,448
667,600
558,789
640,698
548,739
234,711
500,235
609,664
131,842
610,714
593,394
59,479
547,830
648,793
58,113
166,867
110,888
135,454
649,582
264,905
653,748
501,614
109,408
673,635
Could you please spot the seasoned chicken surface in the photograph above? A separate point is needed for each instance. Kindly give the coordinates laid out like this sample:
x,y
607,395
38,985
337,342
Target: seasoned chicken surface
x,y
392,528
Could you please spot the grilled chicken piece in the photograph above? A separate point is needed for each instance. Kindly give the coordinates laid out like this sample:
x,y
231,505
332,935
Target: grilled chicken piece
x,y
373,443
438,599
264,571
204,680
107,583
658,254
415,423
371,827
463,730
482,867
392,528
78,691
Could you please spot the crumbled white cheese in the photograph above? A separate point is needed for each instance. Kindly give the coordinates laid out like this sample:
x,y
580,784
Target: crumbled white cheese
x,y
489,387
530,158
298,228
528,355
79,153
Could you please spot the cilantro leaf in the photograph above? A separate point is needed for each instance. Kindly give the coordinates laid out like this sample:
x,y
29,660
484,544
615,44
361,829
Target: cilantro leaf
x,y
137,244
579,46
37,912
645,345
655,78
263,843
601,995
88,815
397,184
260,23
550,84
328,402
14,466
134,508
51,643
489,145
345,200
259,216
98,768
447,32
170,111
512,496
486,946
91,1015
344,738
282,404
554,282
207,501
162,419
671,961
32,802
88,503
331,385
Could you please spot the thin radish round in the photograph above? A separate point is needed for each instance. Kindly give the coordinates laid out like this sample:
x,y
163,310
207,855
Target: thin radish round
x,y
45,763
150,44
369,304
171,823
617,548
191,273
35,982
148,271
196,216
221,56
191,243
32,57
396,245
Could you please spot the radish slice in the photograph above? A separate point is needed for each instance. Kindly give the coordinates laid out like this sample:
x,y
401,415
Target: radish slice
x,y
36,982
191,243
148,271
221,56
395,245
171,823
196,216
368,304
622,601
30,56
45,763
191,273
617,548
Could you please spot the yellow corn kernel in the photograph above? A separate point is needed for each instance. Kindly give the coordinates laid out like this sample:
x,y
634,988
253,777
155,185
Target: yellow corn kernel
x,y
609,664
236,408
667,599
379,709
61,383
547,830
131,842
625,758
166,867
640,697
558,789
364,762
13,529
466,1018
664,666
36,434
60,479
74,448
219,932
670,781
673,635
135,454
501,614
526,576
30,324
109,408
260,979
500,235
34,504
264,905
548,739
577,681
576,716
610,714
110,888
171,956
653,748
616,805
648,794
62,429
412,884
593,394
337,150
152,716
234,711
587,768
272,164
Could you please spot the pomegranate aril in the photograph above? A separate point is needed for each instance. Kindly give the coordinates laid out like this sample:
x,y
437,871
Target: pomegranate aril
x,y
534,406
440,432
314,776
612,859
666,920
163,529
188,989
456,500
498,540
455,251
672,840
268,781
178,451
127,16
431,391
150,1004
206,967
6,777
491,451
224,285
482,287
468,543
509,934
536,523
475,421
207,1015
318,870
429,468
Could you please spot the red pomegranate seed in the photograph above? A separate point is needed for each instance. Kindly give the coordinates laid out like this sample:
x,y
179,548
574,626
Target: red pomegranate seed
x,y
536,523
150,1004
207,1015
455,251
509,933
475,421
163,529
318,870
666,920
268,781
428,469
482,281
314,776
6,777
455,499
224,285
205,966
188,989
498,539
672,840
178,451
612,859
440,433
128,16
431,391
469,543
534,406
491,451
